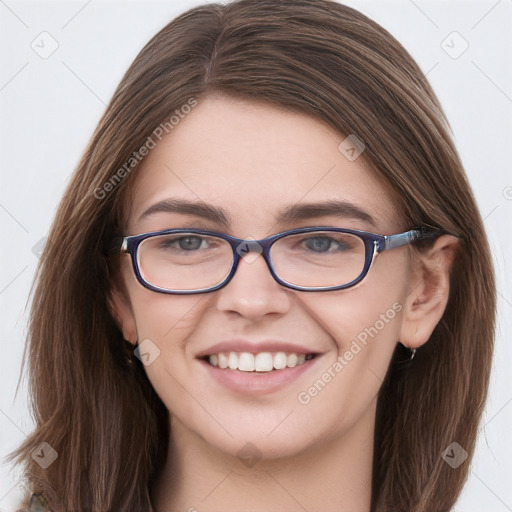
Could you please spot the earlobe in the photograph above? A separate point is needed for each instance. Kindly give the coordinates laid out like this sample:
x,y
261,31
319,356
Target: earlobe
x,y
121,310
428,292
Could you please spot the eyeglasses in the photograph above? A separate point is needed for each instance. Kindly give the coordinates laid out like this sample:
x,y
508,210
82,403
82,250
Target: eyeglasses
x,y
186,261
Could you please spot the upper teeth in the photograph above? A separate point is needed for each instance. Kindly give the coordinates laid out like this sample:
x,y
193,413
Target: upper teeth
x,y
262,362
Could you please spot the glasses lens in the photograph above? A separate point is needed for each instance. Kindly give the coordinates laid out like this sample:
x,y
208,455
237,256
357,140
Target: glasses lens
x,y
319,259
184,261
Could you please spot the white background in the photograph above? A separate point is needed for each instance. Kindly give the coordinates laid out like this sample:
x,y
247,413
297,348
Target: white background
x,y
49,108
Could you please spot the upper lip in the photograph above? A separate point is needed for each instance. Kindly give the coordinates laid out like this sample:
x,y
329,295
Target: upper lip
x,y
255,347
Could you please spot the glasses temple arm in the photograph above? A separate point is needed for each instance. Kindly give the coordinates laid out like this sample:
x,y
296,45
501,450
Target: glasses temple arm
x,y
401,239
116,245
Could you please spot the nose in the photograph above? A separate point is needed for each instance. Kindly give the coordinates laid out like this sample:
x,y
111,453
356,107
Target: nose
x,y
253,292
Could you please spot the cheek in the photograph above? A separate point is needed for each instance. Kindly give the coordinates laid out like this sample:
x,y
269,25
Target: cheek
x,y
364,329
166,319
357,315
364,322
161,317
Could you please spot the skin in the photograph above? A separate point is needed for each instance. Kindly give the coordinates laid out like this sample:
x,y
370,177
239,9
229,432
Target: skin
x,y
253,159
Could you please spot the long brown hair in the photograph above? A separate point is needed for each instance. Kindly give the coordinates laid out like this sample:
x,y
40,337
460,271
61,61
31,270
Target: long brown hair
x,y
92,401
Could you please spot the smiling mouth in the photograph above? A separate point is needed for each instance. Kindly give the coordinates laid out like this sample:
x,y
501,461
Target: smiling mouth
x,y
262,362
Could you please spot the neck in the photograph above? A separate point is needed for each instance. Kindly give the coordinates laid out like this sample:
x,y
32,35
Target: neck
x,y
332,475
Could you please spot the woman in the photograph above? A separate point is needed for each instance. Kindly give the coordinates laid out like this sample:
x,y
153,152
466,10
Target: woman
x,y
267,286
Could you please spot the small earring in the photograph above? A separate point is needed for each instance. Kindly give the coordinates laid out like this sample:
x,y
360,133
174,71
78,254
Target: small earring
x,y
412,352
130,351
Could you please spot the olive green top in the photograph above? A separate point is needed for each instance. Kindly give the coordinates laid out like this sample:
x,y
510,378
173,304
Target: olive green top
x,y
36,502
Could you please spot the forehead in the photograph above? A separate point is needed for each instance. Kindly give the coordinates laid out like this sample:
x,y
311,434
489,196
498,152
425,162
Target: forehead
x,y
253,159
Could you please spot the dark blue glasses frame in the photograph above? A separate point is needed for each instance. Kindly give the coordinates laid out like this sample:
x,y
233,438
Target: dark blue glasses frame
x,y
373,243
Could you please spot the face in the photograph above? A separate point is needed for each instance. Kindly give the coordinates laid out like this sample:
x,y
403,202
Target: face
x,y
254,161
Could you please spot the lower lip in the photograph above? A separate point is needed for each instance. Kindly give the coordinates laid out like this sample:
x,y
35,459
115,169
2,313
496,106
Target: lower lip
x,y
257,383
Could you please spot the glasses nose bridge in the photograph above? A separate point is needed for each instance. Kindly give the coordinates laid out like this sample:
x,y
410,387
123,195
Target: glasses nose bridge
x,y
243,247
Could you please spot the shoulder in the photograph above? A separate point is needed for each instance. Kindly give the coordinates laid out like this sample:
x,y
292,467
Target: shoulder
x,y
36,502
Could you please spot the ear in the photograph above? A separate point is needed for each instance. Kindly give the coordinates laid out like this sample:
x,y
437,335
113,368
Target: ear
x,y
121,310
428,291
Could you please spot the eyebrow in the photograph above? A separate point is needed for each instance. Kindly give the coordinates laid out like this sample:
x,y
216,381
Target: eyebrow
x,y
184,206
335,208
300,211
